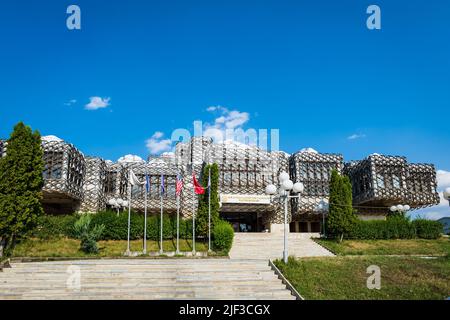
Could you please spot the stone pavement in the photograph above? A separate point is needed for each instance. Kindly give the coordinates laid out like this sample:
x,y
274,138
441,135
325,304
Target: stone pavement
x,y
270,246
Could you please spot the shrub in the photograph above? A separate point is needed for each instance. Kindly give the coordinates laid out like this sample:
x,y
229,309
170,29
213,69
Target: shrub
x,y
427,229
222,236
88,234
54,226
395,227
116,227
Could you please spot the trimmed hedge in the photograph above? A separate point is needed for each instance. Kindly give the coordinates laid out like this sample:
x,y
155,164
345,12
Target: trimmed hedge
x,y
428,229
396,227
391,228
222,236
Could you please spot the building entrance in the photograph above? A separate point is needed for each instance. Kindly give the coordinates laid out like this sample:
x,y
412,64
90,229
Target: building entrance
x,y
243,221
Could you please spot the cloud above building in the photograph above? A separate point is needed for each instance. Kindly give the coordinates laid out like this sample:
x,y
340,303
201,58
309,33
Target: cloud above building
x,y
70,102
356,136
225,120
156,144
97,103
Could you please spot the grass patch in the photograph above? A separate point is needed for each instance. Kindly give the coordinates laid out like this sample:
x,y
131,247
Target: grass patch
x,y
437,247
66,247
345,277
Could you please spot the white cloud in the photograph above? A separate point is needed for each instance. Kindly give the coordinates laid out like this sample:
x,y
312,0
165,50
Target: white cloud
x,y
130,158
97,103
156,144
443,178
356,136
229,119
70,102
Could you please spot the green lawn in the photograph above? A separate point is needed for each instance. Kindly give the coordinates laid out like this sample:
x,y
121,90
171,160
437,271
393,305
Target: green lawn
x,y
344,277
437,247
70,247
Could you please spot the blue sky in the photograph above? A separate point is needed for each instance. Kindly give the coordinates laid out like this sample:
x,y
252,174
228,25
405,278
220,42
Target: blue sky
x,y
311,69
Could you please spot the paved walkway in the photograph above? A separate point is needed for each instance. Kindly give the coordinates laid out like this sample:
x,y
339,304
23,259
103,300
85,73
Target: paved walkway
x,y
270,246
143,279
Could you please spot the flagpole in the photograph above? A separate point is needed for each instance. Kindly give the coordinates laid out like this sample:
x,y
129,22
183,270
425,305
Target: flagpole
x,y
129,213
193,215
161,238
178,225
209,209
145,215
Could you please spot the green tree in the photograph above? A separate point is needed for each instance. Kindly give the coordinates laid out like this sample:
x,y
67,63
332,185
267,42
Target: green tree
x,y
21,185
341,216
201,221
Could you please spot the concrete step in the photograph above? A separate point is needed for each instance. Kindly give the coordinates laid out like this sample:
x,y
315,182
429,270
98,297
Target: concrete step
x,y
145,279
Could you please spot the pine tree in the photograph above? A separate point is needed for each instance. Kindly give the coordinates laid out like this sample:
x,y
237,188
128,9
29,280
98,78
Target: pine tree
x,y
202,213
21,183
341,217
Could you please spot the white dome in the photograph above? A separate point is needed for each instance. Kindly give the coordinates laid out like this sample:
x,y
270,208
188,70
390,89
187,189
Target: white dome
x,y
168,154
51,138
130,158
311,150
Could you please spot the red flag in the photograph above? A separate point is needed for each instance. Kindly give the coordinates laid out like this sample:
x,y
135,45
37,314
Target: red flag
x,y
197,187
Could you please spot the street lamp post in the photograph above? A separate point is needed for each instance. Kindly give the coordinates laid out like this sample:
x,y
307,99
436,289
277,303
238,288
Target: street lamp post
x,y
286,185
117,204
447,195
400,208
322,207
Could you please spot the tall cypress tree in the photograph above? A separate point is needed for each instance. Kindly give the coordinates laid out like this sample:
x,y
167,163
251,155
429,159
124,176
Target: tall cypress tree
x,y
341,216
202,214
21,183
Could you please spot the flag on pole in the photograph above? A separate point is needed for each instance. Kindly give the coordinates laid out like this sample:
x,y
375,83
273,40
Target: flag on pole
x,y
163,190
209,179
133,179
197,187
179,184
147,183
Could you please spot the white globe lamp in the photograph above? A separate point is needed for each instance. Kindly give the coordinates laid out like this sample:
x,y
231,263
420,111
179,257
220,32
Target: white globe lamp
x,y
287,185
283,176
298,187
271,190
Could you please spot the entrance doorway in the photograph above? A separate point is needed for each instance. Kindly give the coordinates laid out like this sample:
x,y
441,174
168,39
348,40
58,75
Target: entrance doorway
x,y
243,221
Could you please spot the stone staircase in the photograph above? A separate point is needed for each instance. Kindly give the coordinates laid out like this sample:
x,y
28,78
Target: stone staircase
x,y
143,279
247,245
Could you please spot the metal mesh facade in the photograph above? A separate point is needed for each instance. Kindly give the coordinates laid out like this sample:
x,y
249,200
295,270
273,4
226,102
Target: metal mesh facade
x,y
116,183
379,182
74,182
313,169
64,173
94,198
248,170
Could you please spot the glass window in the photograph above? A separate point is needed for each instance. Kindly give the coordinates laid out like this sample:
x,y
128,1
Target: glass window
x,y
380,181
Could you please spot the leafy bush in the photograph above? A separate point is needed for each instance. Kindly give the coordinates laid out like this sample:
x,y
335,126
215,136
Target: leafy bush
x,y
54,226
427,229
395,227
116,227
222,236
88,234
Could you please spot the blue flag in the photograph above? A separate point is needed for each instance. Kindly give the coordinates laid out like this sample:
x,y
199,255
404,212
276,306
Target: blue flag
x,y
147,183
162,185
